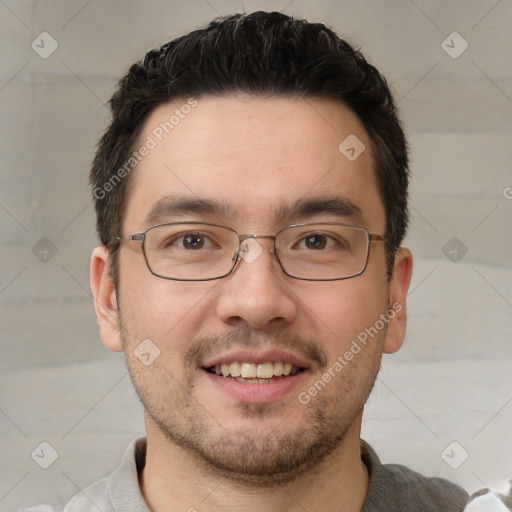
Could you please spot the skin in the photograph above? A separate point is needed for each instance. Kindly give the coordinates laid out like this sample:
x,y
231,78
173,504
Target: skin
x,y
206,449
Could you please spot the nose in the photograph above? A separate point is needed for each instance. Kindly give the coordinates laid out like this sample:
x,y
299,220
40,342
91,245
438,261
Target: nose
x,y
257,292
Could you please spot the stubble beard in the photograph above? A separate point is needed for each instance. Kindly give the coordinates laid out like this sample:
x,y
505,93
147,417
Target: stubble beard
x,y
252,456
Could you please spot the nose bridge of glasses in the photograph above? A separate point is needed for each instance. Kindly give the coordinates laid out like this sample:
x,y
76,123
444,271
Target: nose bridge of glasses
x,y
252,235
249,248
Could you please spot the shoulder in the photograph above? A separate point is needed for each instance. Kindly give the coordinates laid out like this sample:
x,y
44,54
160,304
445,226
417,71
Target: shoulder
x,y
413,489
487,501
93,498
396,487
119,491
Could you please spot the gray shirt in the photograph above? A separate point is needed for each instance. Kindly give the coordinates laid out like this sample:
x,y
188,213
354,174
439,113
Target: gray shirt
x,y
392,488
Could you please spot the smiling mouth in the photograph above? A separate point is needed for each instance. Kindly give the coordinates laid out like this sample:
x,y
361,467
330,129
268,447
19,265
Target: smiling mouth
x,y
251,373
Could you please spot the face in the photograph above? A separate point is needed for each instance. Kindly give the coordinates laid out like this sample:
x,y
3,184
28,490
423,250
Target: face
x,y
259,162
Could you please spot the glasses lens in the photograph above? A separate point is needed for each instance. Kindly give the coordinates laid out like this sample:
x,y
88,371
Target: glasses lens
x,y
191,251
198,251
323,251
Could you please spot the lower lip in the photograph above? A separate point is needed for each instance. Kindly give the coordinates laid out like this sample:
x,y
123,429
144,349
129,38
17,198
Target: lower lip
x,y
256,393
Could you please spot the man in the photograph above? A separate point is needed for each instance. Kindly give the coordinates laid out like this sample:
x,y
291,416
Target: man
x,y
251,198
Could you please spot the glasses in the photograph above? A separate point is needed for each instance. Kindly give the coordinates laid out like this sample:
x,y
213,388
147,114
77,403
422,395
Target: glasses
x,y
200,251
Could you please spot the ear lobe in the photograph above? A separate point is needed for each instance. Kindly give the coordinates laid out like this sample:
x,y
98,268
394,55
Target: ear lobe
x,y
105,303
398,288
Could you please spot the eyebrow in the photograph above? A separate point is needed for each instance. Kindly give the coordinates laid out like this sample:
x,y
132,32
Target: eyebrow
x,y
177,206
332,205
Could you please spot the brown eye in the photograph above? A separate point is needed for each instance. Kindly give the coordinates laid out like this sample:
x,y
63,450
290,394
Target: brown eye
x,y
316,241
193,242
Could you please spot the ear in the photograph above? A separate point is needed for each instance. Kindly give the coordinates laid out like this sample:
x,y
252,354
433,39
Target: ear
x,y
398,287
105,303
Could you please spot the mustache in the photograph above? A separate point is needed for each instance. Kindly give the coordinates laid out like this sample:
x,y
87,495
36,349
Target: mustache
x,y
244,337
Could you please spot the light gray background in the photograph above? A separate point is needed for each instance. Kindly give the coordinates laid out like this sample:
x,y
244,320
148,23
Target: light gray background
x,y
452,379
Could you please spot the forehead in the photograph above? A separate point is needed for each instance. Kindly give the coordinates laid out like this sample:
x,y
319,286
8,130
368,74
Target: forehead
x,y
256,158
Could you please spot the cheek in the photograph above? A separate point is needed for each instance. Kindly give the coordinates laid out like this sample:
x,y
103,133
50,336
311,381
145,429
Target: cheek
x,y
161,309
159,320
342,310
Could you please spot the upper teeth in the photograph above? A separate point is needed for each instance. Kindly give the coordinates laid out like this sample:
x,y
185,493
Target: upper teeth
x,y
251,370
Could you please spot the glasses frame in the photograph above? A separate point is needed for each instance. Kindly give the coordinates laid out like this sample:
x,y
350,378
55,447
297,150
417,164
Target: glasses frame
x,y
141,237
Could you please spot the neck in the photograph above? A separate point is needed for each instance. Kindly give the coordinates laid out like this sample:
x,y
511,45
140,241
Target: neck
x,y
173,478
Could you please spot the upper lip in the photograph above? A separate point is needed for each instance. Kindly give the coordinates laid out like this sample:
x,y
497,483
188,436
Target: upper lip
x,y
256,357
